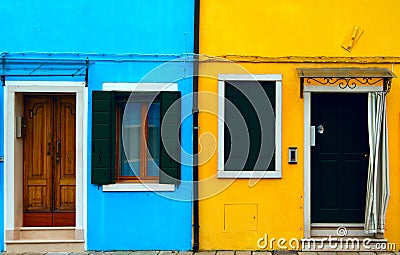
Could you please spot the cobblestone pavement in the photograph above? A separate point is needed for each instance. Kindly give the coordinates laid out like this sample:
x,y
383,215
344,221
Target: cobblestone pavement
x,y
201,253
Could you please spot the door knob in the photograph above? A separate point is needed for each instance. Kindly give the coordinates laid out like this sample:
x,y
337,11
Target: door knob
x,y
320,129
366,155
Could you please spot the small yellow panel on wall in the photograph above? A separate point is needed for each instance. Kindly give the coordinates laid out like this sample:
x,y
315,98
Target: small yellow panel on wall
x,y
240,217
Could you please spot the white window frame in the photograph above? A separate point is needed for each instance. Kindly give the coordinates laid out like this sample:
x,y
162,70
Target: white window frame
x,y
277,78
139,87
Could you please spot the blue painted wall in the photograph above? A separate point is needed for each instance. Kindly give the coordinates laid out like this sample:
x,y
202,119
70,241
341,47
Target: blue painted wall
x,y
142,220
125,39
98,26
1,170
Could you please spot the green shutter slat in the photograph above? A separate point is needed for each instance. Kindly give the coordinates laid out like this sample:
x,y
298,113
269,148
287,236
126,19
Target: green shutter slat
x,y
170,122
103,138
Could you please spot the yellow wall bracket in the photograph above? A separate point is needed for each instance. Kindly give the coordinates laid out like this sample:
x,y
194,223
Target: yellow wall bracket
x,y
352,38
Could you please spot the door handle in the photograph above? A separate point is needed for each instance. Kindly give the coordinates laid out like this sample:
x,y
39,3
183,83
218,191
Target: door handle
x,y
312,136
58,149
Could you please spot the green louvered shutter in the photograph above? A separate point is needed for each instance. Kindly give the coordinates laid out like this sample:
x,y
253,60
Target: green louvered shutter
x,y
103,137
170,149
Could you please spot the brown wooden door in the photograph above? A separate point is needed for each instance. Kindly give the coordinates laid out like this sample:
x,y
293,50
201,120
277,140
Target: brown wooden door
x,y
49,161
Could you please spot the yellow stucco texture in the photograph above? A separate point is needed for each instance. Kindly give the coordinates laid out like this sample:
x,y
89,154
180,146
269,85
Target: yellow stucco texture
x,y
284,28
301,28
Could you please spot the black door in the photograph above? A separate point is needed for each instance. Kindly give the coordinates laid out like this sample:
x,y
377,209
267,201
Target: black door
x,y
339,159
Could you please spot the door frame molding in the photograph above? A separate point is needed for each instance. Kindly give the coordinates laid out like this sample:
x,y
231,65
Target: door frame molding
x,y
12,220
307,164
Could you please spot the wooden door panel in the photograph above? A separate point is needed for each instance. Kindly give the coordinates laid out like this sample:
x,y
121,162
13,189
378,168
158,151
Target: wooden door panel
x,y
38,219
62,219
49,161
37,154
64,185
67,198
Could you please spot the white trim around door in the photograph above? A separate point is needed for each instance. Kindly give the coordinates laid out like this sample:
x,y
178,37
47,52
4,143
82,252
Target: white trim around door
x,y
13,169
307,158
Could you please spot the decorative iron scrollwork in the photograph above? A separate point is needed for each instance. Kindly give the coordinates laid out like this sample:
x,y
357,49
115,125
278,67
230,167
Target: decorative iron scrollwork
x,y
347,82
387,83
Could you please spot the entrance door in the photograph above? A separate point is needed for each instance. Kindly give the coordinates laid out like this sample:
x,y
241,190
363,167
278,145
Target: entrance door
x,y
339,158
49,160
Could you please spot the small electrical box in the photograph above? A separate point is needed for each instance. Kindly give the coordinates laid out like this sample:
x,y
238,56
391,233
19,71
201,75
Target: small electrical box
x,y
292,155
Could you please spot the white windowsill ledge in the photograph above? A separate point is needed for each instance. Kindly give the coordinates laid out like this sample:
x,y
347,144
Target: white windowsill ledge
x,y
250,174
124,187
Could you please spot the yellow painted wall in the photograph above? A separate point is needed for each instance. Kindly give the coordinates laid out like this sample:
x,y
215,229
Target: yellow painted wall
x,y
258,31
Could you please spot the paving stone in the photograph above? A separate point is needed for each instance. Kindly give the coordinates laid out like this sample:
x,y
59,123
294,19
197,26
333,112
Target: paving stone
x,y
225,252
185,253
327,253
366,253
58,253
79,253
168,253
262,253
34,253
308,253
205,253
284,252
102,253
347,253
120,252
144,253
243,253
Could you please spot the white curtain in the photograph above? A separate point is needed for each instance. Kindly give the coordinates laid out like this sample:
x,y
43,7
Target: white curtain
x,y
378,169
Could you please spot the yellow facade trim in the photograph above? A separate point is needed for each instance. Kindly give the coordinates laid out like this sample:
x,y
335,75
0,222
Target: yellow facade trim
x,y
312,59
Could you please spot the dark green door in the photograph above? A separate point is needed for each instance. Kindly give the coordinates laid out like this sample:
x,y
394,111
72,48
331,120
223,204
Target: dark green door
x,y
339,159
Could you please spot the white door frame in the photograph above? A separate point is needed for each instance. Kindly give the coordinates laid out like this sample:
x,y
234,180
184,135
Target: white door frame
x,y
307,164
12,194
307,141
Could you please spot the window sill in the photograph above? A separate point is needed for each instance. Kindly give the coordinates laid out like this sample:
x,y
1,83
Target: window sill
x,y
250,174
124,187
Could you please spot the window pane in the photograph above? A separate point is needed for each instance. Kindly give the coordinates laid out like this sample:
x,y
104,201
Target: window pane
x,y
258,156
153,140
130,149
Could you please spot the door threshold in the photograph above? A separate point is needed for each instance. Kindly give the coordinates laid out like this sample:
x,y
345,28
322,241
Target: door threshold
x,y
47,228
45,233
338,230
330,225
